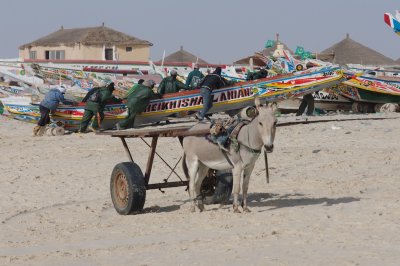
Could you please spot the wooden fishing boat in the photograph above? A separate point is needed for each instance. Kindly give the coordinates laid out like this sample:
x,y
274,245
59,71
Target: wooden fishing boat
x,y
181,104
369,89
326,100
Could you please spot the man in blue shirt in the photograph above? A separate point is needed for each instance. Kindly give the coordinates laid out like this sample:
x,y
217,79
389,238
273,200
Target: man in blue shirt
x,y
50,104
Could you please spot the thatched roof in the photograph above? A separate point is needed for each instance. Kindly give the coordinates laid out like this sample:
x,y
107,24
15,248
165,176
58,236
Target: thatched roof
x,y
257,61
86,36
183,57
349,51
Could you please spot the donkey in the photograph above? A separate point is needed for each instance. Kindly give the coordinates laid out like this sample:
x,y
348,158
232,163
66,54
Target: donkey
x,y
201,155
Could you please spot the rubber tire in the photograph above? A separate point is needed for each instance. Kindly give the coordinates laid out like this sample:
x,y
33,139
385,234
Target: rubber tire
x,y
136,188
223,188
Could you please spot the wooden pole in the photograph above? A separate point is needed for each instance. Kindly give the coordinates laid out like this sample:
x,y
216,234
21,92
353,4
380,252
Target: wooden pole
x,y
150,160
266,166
126,149
98,120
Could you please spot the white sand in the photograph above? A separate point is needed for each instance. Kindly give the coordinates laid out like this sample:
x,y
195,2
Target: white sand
x,y
333,200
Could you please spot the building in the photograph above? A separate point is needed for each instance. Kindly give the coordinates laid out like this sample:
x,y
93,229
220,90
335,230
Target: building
x,y
182,56
349,51
95,43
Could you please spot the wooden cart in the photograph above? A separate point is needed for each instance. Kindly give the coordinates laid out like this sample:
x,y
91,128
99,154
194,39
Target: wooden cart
x,y
128,184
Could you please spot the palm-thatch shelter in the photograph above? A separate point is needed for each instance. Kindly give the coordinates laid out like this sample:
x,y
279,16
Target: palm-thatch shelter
x,y
349,51
182,56
94,43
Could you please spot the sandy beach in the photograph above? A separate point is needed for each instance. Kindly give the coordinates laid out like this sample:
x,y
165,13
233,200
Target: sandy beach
x,y
333,199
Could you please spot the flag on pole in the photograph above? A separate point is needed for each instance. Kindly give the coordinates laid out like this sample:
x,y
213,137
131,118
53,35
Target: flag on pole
x,y
270,43
299,50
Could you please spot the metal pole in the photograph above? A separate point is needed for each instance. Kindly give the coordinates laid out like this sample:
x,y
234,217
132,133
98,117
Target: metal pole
x,y
150,160
126,148
266,166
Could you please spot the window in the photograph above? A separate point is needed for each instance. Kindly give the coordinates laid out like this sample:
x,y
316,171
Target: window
x,y
55,55
108,54
128,49
32,54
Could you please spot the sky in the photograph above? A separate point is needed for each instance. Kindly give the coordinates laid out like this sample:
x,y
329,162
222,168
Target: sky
x,y
218,31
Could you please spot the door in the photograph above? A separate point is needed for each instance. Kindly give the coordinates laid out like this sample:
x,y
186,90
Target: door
x,y
109,54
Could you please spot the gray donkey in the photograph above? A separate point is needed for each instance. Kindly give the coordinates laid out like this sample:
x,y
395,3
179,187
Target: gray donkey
x,y
200,155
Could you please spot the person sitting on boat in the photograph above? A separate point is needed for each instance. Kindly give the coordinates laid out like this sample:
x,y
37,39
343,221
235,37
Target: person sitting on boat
x,y
134,87
194,78
211,82
96,100
170,84
137,103
48,105
307,101
263,73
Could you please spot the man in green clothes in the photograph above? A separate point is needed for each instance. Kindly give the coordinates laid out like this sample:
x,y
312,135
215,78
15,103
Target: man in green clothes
x,y
96,100
194,79
263,73
134,88
137,103
170,84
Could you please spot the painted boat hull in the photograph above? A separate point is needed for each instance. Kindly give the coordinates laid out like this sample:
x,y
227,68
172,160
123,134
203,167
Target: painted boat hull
x,y
322,100
181,104
371,90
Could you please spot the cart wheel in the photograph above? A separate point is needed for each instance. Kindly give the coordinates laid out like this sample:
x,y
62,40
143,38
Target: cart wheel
x,y
127,187
218,188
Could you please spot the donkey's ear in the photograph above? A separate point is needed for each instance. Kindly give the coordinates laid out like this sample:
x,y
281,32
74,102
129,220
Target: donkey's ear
x,y
258,102
273,106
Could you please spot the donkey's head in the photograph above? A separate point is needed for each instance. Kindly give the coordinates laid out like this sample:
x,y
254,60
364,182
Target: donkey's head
x,y
266,123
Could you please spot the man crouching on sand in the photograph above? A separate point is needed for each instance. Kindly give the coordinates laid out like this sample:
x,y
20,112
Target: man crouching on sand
x,y
47,105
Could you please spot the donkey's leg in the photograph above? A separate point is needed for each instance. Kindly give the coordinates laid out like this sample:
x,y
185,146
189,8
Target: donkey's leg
x,y
236,173
201,174
192,165
246,180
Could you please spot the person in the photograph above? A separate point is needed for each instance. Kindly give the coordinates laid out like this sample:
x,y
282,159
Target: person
x,y
48,105
170,84
96,100
211,82
133,88
307,101
137,103
262,73
194,78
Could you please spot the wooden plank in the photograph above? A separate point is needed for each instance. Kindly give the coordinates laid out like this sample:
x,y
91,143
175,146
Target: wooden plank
x,y
148,132
184,131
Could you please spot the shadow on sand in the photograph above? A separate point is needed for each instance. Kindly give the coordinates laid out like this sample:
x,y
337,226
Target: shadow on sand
x,y
157,209
292,200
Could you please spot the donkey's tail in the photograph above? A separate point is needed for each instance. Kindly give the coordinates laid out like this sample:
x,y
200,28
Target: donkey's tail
x,y
184,166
